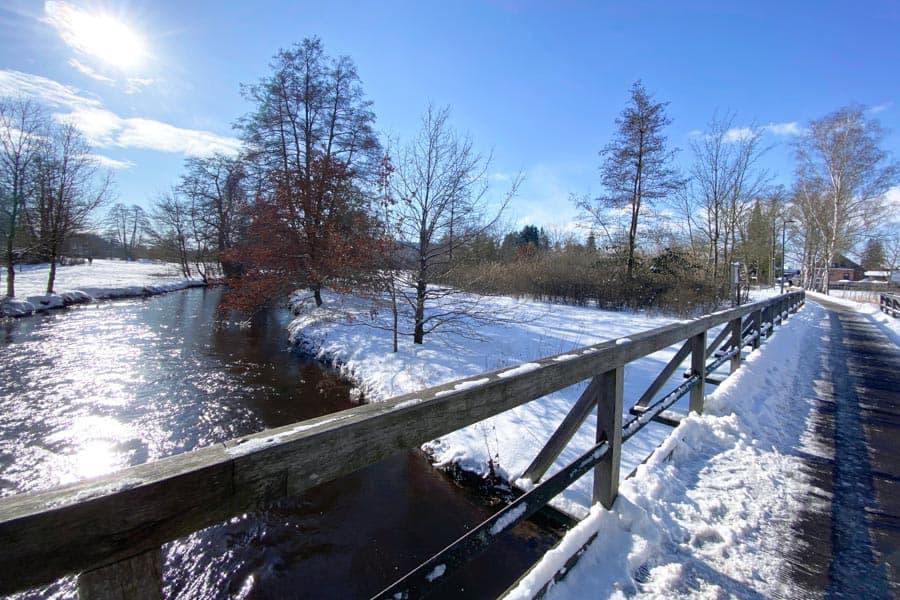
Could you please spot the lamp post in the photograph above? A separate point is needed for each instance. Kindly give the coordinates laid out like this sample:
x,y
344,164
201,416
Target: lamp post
x,y
783,226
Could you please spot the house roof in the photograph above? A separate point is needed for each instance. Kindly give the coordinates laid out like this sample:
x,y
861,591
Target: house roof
x,y
842,262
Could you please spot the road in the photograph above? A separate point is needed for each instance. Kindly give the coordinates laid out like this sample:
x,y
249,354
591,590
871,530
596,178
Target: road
x,y
849,532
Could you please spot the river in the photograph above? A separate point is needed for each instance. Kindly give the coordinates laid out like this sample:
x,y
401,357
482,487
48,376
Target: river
x,y
93,389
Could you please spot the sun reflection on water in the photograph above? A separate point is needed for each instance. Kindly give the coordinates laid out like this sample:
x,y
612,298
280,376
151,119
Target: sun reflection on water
x,y
93,446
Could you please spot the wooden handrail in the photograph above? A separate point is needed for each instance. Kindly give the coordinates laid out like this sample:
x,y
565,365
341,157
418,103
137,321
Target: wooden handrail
x,y
113,519
890,303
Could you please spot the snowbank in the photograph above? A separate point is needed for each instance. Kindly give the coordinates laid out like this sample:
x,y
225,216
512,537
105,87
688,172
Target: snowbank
x,y
357,338
104,279
700,517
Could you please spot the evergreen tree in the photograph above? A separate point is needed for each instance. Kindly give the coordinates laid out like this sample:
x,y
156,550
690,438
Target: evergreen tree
x,y
873,258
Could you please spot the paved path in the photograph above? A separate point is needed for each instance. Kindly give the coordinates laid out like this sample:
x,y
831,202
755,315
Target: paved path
x,y
850,531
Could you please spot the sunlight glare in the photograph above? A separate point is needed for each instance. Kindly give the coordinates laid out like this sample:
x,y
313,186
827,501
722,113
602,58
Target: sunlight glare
x,y
98,34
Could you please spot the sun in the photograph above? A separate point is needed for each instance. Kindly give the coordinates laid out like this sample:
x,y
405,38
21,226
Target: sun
x,y
98,34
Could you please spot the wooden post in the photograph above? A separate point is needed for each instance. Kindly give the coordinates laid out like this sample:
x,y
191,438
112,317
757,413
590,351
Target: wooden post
x,y
557,442
609,427
736,342
698,367
136,578
757,328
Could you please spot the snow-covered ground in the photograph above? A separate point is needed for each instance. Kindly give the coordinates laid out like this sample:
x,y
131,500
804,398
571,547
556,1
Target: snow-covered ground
x,y
83,283
708,514
346,329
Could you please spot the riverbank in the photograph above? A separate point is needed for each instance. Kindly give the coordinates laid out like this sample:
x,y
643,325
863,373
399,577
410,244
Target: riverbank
x,y
102,279
356,338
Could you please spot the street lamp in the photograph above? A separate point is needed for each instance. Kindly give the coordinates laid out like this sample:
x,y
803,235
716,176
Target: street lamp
x,y
783,225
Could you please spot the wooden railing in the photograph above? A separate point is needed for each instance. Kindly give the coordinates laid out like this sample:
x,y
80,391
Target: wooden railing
x,y
110,530
890,303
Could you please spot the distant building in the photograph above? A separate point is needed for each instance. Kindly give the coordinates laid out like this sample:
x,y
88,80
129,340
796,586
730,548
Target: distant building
x,y
844,269
882,276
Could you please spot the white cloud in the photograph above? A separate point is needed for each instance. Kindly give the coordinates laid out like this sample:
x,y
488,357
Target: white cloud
x,y
105,128
86,70
738,134
155,135
16,83
791,128
111,163
878,108
892,204
544,197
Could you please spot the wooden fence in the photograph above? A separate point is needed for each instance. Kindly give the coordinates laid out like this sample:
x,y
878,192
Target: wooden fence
x,y
890,303
110,529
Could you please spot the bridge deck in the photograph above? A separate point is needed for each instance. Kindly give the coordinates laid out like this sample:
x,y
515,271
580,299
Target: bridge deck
x,y
850,531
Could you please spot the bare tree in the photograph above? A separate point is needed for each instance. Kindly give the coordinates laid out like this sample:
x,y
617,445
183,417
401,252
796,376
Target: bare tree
x,y
68,188
216,189
21,125
439,186
172,216
842,176
724,182
127,226
636,168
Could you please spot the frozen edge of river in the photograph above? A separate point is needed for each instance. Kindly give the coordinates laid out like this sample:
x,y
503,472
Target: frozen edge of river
x,y
12,307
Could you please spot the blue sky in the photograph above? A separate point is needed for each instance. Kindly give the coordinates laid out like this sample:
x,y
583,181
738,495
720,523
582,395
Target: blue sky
x,y
537,83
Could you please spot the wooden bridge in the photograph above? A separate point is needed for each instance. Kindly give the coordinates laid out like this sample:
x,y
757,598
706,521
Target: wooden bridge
x,y
890,303
109,530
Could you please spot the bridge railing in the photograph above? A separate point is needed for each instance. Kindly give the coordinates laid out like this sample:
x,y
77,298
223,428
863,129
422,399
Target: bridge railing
x,y
110,529
890,303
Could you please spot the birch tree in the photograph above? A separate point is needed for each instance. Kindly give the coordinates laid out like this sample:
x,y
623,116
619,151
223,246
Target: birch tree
x,y
842,176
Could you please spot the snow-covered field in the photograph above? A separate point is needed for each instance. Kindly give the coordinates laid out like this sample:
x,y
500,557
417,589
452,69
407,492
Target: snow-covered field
x,y
83,283
346,330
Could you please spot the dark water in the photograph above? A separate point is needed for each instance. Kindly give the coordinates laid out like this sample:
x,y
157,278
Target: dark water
x,y
94,389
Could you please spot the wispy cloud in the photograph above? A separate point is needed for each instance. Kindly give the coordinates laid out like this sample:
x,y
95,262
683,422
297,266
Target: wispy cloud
x,y
111,163
791,128
136,85
545,196
878,108
16,83
738,134
104,128
86,70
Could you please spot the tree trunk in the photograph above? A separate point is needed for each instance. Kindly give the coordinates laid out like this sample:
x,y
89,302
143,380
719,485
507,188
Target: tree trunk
x,y
10,273
419,330
51,278
395,313
317,294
